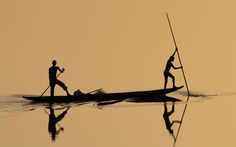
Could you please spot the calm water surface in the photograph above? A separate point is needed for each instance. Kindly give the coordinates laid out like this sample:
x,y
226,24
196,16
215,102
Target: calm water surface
x,y
209,121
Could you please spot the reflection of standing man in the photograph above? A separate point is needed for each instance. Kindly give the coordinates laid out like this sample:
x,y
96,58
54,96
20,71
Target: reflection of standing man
x,y
53,120
167,73
53,78
166,116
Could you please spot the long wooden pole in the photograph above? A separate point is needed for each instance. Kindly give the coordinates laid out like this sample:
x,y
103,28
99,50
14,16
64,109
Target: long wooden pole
x,y
172,33
185,108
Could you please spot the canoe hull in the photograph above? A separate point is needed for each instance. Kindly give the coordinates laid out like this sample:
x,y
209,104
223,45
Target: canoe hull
x,y
103,97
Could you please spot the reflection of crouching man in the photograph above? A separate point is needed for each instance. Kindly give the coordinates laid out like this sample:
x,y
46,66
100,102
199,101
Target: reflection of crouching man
x,y
53,78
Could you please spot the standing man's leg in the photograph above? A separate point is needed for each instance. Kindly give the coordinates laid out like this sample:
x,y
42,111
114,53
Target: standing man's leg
x,y
52,87
166,80
173,79
61,84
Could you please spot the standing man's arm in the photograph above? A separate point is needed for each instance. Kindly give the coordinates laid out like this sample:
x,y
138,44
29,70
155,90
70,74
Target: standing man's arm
x,y
61,70
175,51
176,67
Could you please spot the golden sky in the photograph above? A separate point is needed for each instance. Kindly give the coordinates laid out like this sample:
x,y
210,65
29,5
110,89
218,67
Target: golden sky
x,y
119,45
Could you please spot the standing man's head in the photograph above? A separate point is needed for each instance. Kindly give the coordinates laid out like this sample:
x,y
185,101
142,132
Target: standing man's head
x,y
54,62
172,58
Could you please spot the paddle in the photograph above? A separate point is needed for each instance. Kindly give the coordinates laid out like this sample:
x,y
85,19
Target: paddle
x,y
49,85
94,90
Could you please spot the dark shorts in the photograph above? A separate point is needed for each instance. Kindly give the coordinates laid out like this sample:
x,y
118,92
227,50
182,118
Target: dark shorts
x,y
168,74
57,82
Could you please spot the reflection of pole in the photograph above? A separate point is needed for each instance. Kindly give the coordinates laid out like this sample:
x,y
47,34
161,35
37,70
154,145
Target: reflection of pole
x,y
185,107
184,80
177,52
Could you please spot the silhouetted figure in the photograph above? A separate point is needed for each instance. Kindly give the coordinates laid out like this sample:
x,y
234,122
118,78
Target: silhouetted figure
x,y
167,73
166,118
53,120
53,78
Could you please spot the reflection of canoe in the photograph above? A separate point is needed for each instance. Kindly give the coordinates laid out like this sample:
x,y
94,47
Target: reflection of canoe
x,y
103,96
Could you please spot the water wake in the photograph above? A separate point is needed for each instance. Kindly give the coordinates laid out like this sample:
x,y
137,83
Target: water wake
x,y
203,94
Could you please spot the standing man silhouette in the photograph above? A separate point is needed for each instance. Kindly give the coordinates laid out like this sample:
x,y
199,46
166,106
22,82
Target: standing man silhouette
x,y
53,78
167,73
